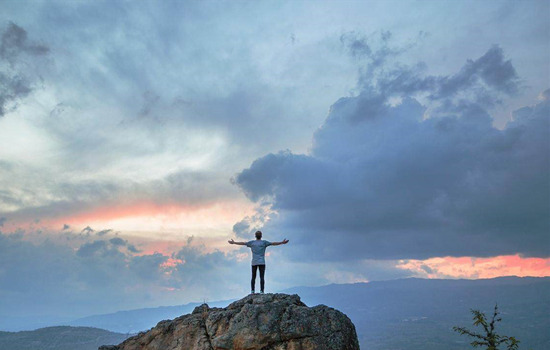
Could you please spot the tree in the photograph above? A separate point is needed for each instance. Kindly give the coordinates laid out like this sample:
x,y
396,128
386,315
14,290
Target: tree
x,y
489,337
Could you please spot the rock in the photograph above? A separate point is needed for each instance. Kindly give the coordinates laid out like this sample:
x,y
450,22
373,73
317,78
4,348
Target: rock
x,y
256,322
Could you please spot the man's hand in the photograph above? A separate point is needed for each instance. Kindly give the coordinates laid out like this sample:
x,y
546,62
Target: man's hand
x,y
231,241
284,241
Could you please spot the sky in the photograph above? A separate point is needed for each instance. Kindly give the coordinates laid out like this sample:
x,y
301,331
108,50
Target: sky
x,y
384,139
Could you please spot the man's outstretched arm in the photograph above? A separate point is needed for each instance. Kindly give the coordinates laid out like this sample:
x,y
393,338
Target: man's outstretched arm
x,y
238,243
284,241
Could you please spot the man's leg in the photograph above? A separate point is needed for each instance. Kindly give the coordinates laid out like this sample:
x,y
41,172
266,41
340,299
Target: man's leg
x,y
262,274
253,282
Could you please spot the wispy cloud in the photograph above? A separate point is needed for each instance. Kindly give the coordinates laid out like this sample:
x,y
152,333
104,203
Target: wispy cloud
x,y
16,55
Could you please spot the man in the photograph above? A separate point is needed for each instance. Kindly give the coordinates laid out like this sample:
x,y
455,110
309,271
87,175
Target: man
x,y
258,257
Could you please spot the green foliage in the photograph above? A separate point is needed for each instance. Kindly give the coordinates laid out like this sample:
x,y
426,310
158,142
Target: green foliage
x,y
488,338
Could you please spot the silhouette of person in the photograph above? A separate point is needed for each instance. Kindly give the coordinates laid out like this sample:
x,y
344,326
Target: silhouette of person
x,y
258,257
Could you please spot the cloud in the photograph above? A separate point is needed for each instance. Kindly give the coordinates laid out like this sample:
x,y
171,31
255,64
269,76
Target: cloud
x,y
117,241
148,267
545,95
151,115
16,79
132,249
42,274
483,81
87,230
490,69
405,179
471,267
121,131
376,48
104,232
14,43
70,198
91,249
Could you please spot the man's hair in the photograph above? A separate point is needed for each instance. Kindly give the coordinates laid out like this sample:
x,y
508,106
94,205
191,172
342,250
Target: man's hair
x,y
258,234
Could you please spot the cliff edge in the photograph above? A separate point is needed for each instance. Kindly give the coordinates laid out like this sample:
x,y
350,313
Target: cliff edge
x,y
256,322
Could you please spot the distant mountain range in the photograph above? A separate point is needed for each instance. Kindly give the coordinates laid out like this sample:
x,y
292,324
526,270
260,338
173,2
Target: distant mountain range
x,y
408,314
419,314
134,321
59,338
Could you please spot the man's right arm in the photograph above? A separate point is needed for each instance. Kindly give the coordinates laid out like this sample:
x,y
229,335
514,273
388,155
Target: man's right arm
x,y
238,243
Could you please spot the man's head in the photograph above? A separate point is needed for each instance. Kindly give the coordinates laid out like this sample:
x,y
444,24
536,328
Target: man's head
x,y
258,234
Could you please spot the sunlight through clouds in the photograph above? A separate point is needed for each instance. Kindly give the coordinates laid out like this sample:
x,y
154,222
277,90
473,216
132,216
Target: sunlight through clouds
x,y
473,267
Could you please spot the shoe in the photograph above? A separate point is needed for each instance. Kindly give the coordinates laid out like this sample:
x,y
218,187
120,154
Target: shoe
x,y
252,292
262,292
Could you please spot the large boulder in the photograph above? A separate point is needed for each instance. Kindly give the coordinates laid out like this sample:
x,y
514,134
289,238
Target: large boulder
x,y
256,322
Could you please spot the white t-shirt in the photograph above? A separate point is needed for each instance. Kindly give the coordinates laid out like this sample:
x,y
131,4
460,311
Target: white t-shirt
x,y
258,251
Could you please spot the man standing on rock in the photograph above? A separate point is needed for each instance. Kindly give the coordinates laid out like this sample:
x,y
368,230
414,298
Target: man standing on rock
x,y
258,257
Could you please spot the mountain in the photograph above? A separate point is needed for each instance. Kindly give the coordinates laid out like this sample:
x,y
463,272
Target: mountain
x,y
258,321
59,338
419,313
402,314
133,321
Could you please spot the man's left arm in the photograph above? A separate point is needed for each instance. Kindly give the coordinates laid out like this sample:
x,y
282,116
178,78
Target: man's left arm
x,y
237,243
284,241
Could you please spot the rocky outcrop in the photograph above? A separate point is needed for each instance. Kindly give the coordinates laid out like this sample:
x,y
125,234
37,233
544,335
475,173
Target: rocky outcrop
x,y
256,322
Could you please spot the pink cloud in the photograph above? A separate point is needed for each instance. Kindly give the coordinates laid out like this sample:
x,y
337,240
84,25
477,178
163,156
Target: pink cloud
x,y
473,267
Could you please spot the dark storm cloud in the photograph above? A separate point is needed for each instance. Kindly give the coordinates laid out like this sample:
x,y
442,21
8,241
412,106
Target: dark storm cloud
x,y
482,81
382,181
16,80
488,75
492,69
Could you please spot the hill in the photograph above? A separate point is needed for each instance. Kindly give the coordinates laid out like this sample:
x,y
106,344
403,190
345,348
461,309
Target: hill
x,y
418,314
134,321
412,314
258,321
59,338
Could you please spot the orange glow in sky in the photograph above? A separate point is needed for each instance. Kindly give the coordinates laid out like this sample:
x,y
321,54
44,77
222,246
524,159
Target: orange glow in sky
x,y
473,268
161,221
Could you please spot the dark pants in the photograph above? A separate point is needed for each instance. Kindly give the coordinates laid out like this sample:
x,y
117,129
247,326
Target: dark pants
x,y
262,273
